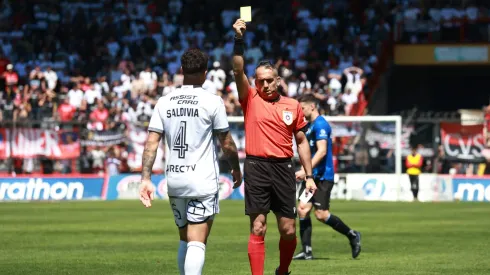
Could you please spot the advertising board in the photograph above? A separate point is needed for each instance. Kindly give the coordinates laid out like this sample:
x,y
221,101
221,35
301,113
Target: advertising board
x,y
50,188
433,54
126,186
378,187
471,189
433,187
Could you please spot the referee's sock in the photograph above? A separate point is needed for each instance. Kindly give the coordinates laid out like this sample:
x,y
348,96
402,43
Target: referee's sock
x,y
256,254
286,252
305,231
338,225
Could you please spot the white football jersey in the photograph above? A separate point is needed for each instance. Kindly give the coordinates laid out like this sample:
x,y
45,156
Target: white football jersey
x,y
188,116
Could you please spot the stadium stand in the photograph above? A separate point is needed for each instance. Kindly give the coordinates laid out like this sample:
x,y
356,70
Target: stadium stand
x,y
101,65
93,70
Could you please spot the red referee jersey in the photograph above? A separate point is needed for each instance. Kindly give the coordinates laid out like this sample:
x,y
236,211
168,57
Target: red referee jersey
x,y
269,126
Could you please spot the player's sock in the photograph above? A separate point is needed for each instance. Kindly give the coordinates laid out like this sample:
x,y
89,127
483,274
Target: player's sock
x,y
305,231
338,225
256,254
286,250
181,256
196,252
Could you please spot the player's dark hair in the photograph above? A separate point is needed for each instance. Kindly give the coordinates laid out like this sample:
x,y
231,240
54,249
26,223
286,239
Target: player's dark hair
x,y
194,61
309,98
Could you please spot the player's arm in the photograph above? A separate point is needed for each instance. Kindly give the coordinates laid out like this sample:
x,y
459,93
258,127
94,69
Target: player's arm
x,y
321,152
155,132
147,190
221,129
150,154
229,148
305,158
238,62
303,151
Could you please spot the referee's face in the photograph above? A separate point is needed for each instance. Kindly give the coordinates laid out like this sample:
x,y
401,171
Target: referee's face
x,y
266,82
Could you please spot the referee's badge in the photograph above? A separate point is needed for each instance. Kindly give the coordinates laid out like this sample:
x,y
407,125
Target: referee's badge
x,y
287,117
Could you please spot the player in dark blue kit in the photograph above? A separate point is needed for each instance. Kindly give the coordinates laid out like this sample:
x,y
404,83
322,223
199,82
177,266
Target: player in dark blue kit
x,y
319,136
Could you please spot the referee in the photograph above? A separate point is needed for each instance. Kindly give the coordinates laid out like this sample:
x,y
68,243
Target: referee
x,y
271,120
319,134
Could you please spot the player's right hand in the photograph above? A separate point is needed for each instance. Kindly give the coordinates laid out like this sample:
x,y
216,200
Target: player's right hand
x,y
147,192
310,186
237,178
240,27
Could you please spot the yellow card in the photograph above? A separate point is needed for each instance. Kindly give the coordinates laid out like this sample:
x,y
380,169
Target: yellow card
x,y
246,13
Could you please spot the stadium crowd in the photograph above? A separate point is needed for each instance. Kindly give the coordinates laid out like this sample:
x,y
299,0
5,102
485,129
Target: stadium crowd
x,y
442,21
102,65
106,63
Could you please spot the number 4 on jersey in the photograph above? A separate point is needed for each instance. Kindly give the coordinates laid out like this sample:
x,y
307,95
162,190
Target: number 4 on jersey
x,y
180,144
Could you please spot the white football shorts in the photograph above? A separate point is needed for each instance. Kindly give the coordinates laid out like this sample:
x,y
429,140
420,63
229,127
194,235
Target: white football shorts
x,y
194,210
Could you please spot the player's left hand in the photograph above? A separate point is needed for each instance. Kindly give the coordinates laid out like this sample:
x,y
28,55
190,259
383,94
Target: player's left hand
x,y
300,175
310,186
147,192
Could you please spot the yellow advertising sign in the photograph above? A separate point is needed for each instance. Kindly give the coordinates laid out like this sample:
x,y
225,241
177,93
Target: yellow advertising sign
x,y
441,55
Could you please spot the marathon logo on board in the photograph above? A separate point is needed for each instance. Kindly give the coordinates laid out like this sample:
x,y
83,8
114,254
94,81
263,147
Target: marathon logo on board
x,y
27,189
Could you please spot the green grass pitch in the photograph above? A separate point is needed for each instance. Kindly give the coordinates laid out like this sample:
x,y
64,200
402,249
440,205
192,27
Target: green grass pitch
x,y
122,237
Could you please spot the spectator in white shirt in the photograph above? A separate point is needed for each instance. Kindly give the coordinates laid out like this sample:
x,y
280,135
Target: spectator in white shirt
x,y
218,75
51,78
101,85
91,94
304,84
126,79
210,86
119,90
349,99
149,78
144,110
353,75
335,86
75,96
293,86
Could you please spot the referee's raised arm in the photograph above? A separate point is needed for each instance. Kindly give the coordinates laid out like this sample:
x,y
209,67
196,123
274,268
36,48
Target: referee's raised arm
x,y
238,61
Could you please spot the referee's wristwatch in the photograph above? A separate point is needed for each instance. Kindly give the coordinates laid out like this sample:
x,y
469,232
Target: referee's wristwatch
x,y
309,177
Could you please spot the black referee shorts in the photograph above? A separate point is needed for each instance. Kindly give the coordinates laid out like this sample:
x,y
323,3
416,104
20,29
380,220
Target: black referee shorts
x,y
321,198
270,184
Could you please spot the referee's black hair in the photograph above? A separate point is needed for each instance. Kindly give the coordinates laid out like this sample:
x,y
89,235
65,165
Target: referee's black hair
x,y
265,63
268,65
194,61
